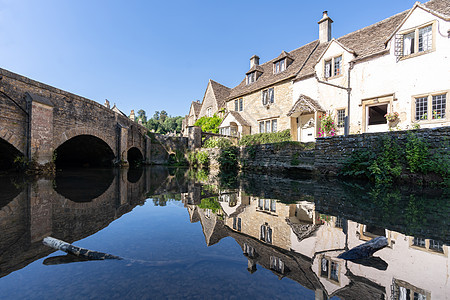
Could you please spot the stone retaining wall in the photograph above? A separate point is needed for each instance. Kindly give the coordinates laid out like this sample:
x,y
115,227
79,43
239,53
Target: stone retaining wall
x,y
331,152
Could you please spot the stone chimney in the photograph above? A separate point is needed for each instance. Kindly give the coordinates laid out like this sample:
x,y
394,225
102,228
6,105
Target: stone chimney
x,y
325,28
254,61
132,115
106,103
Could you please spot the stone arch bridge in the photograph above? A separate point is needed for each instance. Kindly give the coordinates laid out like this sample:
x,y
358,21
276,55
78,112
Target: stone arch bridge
x,y
37,119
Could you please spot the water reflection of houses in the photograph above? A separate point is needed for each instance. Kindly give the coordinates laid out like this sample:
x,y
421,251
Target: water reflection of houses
x,y
298,242
55,208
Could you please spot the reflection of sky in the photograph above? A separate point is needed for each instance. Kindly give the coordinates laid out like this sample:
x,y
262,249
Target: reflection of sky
x,y
162,236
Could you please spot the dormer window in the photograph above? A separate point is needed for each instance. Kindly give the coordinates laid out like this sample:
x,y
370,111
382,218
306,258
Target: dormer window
x,y
333,67
415,41
279,66
251,77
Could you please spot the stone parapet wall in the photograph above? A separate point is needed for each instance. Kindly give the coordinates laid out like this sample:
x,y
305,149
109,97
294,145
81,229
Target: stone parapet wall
x,y
331,152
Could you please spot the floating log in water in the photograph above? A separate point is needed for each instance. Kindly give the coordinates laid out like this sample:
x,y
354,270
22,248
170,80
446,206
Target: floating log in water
x,y
365,250
80,252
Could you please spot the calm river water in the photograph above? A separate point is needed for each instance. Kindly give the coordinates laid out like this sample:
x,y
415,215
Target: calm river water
x,y
258,237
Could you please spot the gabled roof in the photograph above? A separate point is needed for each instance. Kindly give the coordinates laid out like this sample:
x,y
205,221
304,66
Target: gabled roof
x,y
238,118
443,11
255,68
329,44
221,93
305,104
196,106
268,78
283,54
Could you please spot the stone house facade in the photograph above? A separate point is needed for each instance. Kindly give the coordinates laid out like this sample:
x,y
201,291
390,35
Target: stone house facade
x,y
213,103
360,77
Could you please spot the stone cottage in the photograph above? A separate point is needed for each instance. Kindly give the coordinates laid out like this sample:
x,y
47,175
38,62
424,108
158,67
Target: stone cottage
x,y
213,103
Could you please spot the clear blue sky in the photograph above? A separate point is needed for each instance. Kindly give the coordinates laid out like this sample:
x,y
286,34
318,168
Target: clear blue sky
x,y
159,55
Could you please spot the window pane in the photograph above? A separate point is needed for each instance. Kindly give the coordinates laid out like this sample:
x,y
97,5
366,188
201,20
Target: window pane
x,y
241,104
267,126
261,127
425,38
264,97
282,67
340,117
235,105
324,268
439,103
327,71
334,271
436,246
266,204
420,242
263,233
337,65
271,95
269,235
274,125
261,203
239,224
421,108
408,43
273,205
234,223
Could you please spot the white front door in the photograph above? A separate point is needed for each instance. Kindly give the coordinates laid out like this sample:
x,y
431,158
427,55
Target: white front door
x,y
307,128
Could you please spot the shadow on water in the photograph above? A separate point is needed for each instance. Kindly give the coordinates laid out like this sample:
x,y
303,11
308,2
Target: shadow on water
x,y
10,188
81,186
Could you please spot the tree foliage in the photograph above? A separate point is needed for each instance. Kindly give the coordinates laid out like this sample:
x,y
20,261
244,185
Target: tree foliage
x,y
161,122
209,124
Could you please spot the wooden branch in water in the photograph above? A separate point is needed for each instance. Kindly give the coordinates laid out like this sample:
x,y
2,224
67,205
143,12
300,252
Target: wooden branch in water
x,y
365,250
78,251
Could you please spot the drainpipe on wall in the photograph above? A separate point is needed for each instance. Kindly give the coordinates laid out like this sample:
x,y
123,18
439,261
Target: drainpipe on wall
x,y
349,90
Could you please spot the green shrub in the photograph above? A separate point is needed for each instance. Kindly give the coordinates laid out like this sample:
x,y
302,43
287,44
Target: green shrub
x,y
266,138
209,124
210,203
218,142
203,158
228,159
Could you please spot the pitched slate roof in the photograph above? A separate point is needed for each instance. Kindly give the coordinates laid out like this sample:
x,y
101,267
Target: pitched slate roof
x,y
267,77
221,93
238,118
441,6
196,106
305,104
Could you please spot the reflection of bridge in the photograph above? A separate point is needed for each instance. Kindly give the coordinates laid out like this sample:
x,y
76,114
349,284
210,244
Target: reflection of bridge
x,y
38,210
37,119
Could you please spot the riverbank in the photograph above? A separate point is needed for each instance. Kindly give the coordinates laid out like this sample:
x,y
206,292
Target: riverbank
x,y
413,156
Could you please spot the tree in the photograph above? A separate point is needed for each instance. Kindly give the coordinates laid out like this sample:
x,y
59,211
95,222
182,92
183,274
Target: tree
x,y
142,116
210,124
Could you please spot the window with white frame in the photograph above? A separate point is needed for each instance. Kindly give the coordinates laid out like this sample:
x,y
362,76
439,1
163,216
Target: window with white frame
x,y
415,41
403,290
277,264
266,234
430,107
340,114
249,250
333,67
209,112
251,77
428,244
267,96
329,269
237,222
279,66
267,204
268,126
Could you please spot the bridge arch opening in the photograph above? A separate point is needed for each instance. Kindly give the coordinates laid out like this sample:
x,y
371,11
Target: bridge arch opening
x,y
135,157
8,153
85,151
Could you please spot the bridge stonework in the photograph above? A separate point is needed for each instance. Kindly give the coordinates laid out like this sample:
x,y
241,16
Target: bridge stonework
x,y
37,118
